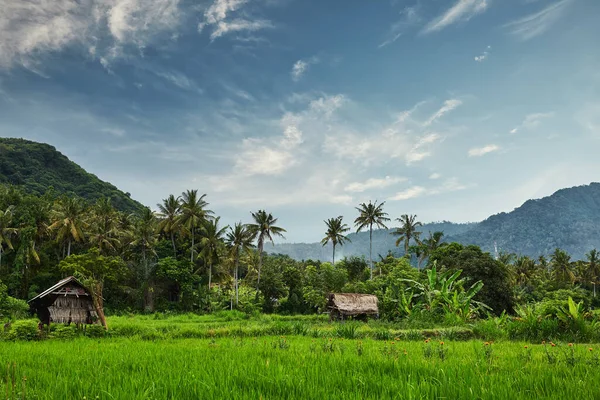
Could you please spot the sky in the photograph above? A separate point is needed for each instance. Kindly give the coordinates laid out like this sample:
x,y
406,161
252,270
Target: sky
x,y
447,109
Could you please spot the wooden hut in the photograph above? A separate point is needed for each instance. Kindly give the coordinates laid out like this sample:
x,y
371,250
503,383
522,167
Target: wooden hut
x,y
66,302
342,305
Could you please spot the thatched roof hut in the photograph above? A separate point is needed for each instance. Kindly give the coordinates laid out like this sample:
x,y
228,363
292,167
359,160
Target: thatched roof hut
x,y
341,305
66,302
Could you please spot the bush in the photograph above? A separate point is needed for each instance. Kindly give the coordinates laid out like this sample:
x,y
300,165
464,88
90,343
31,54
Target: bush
x,y
64,332
347,330
23,330
94,331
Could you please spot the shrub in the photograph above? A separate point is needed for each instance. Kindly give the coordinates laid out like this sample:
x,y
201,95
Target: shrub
x,y
23,330
64,332
94,331
347,330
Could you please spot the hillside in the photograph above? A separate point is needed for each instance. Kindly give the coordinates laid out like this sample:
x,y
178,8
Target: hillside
x,y
37,166
569,219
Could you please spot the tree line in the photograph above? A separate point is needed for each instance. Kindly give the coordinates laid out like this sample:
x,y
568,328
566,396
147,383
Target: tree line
x,y
183,258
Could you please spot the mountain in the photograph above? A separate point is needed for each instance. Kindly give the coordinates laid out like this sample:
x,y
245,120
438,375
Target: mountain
x,y
38,166
568,219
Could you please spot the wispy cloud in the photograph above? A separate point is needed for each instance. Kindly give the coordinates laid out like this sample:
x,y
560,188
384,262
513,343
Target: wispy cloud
x,y
532,121
535,24
374,183
449,185
180,80
481,151
300,67
218,18
483,56
434,176
409,16
448,106
104,28
463,10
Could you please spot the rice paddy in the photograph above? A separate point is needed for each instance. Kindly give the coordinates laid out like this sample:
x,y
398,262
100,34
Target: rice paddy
x,y
294,367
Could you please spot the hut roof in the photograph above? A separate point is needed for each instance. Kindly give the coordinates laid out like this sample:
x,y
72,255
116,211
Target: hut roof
x,y
353,303
57,287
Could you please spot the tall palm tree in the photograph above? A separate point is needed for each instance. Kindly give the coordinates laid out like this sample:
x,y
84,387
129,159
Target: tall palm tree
x,y
561,265
104,233
69,216
433,242
7,230
239,238
169,212
335,233
264,228
212,238
407,230
145,237
524,269
369,215
593,267
193,214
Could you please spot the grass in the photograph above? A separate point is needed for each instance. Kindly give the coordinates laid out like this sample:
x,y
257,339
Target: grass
x,y
275,367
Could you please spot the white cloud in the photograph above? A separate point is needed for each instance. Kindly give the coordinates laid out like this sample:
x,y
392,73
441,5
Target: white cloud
x,y
480,151
434,176
180,80
535,24
483,56
114,131
373,183
300,67
463,10
408,17
218,18
449,185
448,106
409,193
532,121
327,105
30,29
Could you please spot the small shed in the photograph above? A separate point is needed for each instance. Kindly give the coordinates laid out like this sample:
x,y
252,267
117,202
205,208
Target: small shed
x,y
66,302
342,305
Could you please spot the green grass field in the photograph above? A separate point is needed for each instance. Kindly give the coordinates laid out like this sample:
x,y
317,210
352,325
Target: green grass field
x,y
290,366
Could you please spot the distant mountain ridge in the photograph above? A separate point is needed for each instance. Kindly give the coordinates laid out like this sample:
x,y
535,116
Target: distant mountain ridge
x,y
36,167
568,219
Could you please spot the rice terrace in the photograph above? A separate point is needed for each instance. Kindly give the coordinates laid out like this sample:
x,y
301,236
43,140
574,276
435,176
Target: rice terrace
x,y
299,199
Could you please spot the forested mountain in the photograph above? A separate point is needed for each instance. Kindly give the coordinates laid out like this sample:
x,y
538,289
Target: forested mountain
x,y
569,219
38,166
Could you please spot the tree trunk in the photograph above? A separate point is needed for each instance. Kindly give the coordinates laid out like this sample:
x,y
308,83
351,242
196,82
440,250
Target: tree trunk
x,y
334,254
173,243
236,278
209,276
371,248
192,249
98,304
0,257
260,256
69,248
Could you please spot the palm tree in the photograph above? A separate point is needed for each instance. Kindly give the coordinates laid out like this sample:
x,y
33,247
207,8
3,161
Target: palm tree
x,y
433,242
407,230
239,238
561,264
264,228
69,216
104,232
212,237
335,233
193,214
145,237
170,209
523,270
369,215
593,268
7,230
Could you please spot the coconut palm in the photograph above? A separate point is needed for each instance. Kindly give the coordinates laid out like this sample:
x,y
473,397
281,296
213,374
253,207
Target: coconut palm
x,y
369,215
104,233
69,216
212,237
524,269
7,230
593,267
239,238
264,228
407,231
169,212
335,233
145,237
193,214
561,265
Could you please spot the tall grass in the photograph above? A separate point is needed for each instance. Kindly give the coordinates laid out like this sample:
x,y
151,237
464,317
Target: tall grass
x,y
294,368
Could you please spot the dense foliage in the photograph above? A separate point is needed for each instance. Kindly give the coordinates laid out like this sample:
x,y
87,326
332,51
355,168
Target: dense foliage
x,y
37,166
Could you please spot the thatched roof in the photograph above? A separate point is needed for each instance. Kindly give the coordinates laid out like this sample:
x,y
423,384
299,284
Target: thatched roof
x,y
59,285
353,303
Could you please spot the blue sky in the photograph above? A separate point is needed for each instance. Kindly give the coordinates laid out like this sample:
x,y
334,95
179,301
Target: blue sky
x,y
448,109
